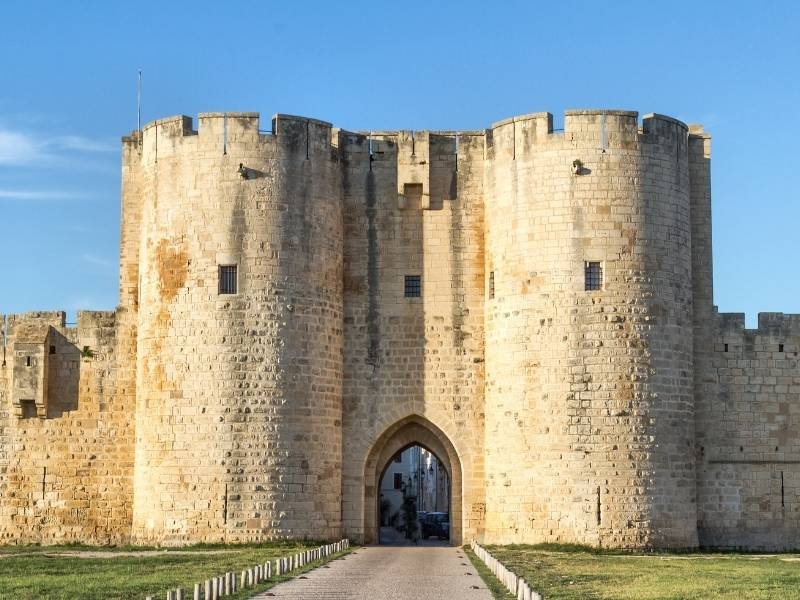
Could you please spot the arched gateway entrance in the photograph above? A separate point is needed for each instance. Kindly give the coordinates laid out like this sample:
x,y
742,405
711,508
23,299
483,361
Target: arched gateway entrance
x,y
414,430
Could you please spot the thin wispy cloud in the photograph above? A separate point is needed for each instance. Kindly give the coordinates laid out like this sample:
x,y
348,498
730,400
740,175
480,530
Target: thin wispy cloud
x,y
40,195
710,119
100,261
76,303
82,144
22,148
17,148
74,228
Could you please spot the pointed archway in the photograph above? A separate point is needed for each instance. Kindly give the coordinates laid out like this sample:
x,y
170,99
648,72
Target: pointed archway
x,y
410,431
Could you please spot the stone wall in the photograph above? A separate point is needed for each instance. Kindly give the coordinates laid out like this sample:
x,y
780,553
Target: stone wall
x,y
749,437
66,466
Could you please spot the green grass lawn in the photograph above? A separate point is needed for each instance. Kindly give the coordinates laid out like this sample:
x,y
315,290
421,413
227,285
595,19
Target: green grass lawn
x,y
44,572
572,573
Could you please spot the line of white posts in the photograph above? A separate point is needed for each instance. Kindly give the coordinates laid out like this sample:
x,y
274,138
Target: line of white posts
x,y
513,582
228,583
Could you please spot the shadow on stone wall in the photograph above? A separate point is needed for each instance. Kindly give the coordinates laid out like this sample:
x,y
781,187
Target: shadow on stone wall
x,y
63,375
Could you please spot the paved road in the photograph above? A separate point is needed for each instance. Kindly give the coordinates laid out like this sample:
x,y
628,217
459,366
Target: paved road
x,y
389,573
391,537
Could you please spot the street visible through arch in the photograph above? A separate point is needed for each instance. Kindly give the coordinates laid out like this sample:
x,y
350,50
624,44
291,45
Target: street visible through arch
x,y
414,499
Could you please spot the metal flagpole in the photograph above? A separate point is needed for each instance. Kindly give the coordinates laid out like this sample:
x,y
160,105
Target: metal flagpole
x,y
139,106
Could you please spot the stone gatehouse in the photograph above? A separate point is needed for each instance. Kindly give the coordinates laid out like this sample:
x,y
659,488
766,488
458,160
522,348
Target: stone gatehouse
x,y
298,305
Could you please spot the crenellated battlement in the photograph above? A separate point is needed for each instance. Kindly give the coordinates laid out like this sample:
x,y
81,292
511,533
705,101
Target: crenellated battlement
x,y
598,128
303,137
86,321
55,318
514,135
773,324
230,133
608,128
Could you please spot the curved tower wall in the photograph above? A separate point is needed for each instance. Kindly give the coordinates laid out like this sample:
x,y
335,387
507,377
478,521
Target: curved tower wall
x,y
589,411
238,396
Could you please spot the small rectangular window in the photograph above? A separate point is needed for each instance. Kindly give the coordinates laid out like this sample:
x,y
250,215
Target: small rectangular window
x,y
413,287
28,408
227,279
593,274
398,481
27,361
491,284
726,347
52,349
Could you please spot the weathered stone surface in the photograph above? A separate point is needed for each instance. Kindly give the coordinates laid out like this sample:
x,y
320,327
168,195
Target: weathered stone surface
x,y
65,470
633,415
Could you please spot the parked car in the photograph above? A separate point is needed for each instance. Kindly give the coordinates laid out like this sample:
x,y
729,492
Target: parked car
x,y
421,514
436,524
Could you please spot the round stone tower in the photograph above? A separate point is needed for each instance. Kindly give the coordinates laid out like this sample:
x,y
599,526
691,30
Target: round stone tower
x,y
589,405
238,427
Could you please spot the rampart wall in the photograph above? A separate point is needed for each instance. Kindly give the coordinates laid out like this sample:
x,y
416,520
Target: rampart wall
x,y
66,465
748,441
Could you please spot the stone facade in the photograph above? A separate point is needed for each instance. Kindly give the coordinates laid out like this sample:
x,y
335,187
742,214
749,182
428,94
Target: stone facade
x,y
632,415
67,465
748,440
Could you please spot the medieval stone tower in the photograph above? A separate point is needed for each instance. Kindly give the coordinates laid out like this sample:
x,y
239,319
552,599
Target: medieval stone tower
x,y
589,393
299,304
238,395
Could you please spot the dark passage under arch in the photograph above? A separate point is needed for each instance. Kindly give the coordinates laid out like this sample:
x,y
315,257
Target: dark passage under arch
x,y
413,431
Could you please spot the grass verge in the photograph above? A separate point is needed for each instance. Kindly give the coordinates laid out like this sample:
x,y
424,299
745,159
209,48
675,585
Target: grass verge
x,y
498,590
45,572
578,573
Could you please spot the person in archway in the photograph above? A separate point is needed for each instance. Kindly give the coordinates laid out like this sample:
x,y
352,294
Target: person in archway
x,y
409,508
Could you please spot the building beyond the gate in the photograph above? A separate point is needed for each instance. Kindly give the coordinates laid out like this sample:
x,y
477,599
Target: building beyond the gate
x,y
534,306
415,473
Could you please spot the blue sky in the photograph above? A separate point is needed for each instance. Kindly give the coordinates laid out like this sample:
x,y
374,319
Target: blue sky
x,y
68,92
